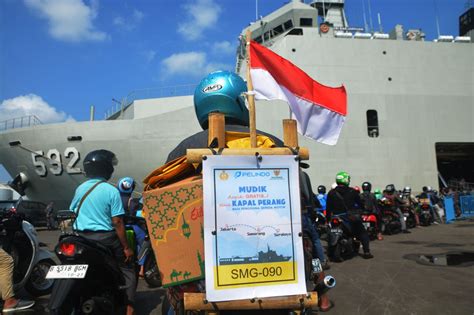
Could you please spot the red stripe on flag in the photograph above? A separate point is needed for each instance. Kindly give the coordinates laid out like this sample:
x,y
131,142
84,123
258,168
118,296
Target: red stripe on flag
x,y
297,81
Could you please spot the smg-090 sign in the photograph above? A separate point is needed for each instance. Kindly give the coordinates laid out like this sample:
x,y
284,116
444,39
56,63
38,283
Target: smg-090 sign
x,y
252,225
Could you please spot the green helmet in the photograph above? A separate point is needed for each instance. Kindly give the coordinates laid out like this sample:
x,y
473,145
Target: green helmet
x,y
342,178
377,191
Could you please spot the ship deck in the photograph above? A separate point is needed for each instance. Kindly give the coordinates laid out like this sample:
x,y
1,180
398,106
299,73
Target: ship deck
x,y
391,283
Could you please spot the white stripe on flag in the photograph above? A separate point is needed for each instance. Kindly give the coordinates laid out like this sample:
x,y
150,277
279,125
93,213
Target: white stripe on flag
x,y
314,121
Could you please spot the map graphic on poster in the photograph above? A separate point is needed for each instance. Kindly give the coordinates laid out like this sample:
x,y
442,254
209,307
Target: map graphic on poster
x,y
252,214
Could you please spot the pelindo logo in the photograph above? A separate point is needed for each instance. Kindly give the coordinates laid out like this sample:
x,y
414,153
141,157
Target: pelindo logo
x,y
251,174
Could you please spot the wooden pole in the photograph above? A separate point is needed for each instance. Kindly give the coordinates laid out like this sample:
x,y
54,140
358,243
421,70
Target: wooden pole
x,y
251,97
195,155
290,135
197,301
216,129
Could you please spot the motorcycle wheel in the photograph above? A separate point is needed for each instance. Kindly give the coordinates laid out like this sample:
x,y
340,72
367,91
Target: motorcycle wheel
x,y
337,253
37,284
151,272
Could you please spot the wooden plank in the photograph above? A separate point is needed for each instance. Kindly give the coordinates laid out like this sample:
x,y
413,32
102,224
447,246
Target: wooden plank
x,y
251,98
195,155
216,129
290,135
197,301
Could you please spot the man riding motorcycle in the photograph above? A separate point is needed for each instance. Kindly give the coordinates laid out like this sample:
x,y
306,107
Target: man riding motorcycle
x,y
410,201
231,103
99,213
369,203
342,201
391,194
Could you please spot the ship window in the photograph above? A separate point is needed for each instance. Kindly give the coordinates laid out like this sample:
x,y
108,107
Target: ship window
x,y
266,36
258,39
296,31
306,22
288,24
372,123
278,30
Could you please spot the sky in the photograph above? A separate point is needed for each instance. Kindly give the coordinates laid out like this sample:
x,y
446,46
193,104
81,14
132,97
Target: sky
x,y
59,57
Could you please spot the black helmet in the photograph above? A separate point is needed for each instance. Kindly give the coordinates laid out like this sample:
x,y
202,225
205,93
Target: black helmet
x,y
321,189
366,186
390,188
99,163
424,189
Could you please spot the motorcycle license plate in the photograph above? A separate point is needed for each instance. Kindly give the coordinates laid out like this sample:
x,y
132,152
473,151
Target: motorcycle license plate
x,y
67,272
336,231
316,265
366,224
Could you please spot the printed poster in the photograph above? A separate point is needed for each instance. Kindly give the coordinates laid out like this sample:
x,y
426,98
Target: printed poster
x,y
252,222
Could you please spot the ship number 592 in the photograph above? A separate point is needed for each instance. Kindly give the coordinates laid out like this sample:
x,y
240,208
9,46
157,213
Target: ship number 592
x,y
54,159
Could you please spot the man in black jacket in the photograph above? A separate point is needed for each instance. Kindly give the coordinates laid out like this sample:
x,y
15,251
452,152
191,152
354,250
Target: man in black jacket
x,y
343,200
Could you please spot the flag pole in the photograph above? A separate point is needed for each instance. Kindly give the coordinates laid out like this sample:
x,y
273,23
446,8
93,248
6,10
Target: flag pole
x,y
251,97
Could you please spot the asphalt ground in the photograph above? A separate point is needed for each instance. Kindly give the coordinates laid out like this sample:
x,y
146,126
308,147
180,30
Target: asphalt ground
x,y
394,282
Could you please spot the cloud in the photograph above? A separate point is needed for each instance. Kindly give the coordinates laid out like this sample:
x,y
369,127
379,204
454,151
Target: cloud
x,y
203,14
69,20
31,104
224,47
130,23
190,63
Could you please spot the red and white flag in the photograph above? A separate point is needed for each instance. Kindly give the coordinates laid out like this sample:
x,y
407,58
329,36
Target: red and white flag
x,y
319,110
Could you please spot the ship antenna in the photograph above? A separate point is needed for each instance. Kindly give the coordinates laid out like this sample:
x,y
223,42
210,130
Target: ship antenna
x,y
365,17
437,19
370,18
256,10
380,23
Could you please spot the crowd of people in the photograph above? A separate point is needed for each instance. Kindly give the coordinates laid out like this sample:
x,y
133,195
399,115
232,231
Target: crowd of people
x,y
348,202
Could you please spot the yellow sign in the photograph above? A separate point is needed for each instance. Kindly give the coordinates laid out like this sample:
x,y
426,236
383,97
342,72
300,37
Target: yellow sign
x,y
234,276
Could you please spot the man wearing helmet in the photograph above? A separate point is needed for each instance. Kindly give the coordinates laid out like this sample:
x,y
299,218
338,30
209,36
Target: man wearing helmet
x,y
222,92
99,212
126,186
410,201
369,203
322,197
391,194
343,200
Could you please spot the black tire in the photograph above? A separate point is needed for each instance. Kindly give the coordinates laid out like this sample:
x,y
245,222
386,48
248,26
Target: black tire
x,y
165,305
37,284
151,272
411,223
337,253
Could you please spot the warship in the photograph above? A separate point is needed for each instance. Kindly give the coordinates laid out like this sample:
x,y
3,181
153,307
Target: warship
x,y
262,257
409,122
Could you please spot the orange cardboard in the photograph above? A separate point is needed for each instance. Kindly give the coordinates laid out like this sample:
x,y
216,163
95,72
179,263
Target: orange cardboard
x,y
174,216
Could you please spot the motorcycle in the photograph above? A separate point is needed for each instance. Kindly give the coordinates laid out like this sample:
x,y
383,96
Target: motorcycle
x,y
31,258
321,224
390,220
424,212
315,278
369,220
89,280
341,242
408,216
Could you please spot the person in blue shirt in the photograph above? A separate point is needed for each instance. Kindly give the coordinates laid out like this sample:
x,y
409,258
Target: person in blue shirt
x,y
322,198
100,216
126,186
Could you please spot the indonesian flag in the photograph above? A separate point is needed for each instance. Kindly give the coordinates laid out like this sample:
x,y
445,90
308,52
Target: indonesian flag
x,y
319,110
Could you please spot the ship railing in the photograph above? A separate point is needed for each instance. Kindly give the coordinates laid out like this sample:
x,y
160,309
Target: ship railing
x,y
148,93
460,185
20,122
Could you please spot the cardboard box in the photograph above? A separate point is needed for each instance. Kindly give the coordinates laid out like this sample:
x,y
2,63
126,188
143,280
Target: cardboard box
x,y
174,216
